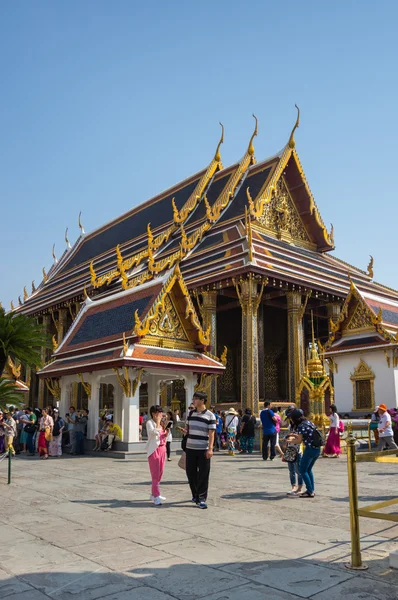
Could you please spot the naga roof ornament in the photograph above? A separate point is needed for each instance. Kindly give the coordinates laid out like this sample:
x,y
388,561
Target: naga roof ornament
x,y
370,267
80,224
292,141
53,254
67,239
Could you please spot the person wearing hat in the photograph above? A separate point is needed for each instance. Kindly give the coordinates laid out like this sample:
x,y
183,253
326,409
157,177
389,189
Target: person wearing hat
x,y
386,435
231,426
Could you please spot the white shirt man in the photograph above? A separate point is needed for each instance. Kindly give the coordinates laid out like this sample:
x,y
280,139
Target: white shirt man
x,y
386,435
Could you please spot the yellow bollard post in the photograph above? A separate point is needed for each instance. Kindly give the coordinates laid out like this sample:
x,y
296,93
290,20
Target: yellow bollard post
x,y
356,559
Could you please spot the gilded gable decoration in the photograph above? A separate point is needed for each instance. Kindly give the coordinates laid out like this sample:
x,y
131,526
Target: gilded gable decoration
x,y
281,217
167,324
360,318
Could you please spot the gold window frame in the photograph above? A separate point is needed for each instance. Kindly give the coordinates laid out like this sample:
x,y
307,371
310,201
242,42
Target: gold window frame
x,y
363,373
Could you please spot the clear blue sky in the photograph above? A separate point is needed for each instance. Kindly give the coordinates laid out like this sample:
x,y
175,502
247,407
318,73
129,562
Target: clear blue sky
x,y
104,104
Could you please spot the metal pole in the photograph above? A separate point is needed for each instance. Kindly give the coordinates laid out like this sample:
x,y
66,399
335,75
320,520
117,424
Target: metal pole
x,y
356,559
9,465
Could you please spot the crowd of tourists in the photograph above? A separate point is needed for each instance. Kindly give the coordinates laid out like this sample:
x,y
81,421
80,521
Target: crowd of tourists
x,y
206,431
46,433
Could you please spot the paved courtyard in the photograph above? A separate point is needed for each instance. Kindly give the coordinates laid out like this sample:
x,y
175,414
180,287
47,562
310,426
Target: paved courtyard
x,y
83,528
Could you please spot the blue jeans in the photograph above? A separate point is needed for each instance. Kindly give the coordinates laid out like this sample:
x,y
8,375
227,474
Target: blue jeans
x,y
308,460
30,443
294,469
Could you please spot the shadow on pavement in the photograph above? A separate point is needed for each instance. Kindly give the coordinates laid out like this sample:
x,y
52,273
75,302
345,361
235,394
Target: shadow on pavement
x,y
177,578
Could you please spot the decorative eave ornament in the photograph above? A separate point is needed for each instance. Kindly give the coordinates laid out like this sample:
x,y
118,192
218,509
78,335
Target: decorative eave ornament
x,y
53,254
67,239
80,224
370,267
292,141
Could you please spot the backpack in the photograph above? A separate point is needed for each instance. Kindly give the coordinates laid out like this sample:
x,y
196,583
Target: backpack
x,y
318,440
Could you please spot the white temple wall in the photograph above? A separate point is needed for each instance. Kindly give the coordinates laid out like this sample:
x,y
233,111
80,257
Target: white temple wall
x,y
385,382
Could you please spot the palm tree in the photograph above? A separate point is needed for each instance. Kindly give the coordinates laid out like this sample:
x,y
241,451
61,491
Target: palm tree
x,y
9,393
21,338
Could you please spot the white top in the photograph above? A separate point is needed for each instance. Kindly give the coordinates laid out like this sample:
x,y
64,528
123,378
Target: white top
x,y
170,435
231,422
153,437
385,421
334,420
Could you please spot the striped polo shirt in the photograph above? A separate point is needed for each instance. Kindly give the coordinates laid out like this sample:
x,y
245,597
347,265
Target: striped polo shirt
x,y
199,424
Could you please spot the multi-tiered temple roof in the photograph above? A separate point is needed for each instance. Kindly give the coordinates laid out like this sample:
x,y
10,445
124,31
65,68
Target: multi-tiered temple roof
x,y
217,224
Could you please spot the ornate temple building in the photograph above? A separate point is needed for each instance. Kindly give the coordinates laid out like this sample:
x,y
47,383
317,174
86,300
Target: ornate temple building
x,y
250,259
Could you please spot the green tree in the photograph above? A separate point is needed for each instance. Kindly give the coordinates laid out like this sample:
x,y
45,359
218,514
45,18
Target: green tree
x,y
9,393
21,338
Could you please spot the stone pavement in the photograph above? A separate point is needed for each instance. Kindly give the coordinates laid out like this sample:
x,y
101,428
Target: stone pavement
x,y
82,528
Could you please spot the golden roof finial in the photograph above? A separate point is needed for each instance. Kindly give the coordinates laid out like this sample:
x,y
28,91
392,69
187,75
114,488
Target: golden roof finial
x,y
80,224
53,253
66,239
250,149
217,155
33,286
45,276
19,301
331,233
122,270
12,305
370,267
25,293
292,141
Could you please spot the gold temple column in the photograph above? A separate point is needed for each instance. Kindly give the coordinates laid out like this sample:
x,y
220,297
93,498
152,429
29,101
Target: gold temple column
x,y
334,310
295,341
209,314
249,296
44,358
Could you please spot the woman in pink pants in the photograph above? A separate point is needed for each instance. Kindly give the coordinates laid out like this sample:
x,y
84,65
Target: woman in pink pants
x,y
156,451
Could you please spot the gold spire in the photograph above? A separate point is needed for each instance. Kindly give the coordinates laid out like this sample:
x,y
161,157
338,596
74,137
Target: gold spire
x,y
80,224
12,305
370,267
314,364
53,253
33,286
217,155
250,149
66,239
45,276
292,141
25,293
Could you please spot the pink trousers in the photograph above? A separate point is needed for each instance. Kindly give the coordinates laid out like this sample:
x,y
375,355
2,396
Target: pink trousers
x,y
156,466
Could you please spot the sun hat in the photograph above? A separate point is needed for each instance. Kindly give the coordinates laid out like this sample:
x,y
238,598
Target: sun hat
x,y
232,411
383,407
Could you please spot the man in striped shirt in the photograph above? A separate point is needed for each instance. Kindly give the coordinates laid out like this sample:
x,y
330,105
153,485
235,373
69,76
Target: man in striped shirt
x,y
199,450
